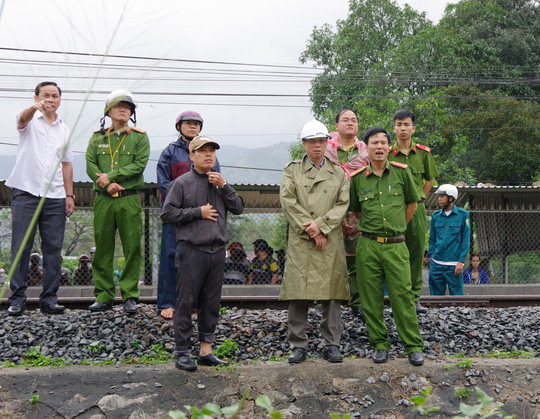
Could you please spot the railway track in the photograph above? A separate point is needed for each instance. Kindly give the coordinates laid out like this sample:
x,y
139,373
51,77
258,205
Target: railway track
x,y
272,301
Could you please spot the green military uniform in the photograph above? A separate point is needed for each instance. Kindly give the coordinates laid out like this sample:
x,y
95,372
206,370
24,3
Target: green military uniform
x,y
382,202
123,157
422,167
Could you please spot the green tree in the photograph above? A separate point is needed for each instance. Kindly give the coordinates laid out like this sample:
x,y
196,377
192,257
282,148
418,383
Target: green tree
x,y
350,54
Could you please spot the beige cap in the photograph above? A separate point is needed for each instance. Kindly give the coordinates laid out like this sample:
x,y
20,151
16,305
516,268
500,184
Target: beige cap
x,y
201,140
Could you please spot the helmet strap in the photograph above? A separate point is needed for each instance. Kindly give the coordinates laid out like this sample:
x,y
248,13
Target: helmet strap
x,y
102,126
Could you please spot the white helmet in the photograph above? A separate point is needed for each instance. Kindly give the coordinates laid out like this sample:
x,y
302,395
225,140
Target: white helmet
x,y
447,189
314,129
120,95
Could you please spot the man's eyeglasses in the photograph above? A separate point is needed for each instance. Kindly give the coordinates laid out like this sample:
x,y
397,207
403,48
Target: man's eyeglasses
x,y
347,120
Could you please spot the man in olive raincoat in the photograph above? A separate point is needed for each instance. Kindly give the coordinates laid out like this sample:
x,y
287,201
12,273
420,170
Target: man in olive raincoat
x,y
314,196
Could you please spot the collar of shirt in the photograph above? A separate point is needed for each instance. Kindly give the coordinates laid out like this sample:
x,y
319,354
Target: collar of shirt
x,y
369,169
320,165
397,150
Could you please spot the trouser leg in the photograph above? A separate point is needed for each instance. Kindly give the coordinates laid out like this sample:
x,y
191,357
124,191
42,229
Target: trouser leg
x,y
331,322
297,321
396,272
437,281
104,237
455,283
166,290
353,281
415,238
129,221
194,266
23,207
369,270
52,222
209,298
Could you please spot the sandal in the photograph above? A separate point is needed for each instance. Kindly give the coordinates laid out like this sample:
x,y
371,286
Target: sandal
x,y
167,313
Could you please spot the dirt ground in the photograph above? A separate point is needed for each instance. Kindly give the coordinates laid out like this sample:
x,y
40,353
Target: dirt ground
x,y
313,389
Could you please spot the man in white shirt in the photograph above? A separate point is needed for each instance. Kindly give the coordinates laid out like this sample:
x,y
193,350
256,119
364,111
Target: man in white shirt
x,y
43,169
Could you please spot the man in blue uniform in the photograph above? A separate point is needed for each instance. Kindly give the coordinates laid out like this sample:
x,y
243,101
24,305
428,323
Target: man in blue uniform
x,y
448,244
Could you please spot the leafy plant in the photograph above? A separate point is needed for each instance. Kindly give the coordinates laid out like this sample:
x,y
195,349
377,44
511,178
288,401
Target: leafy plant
x,y
34,398
462,393
157,356
486,408
97,348
265,402
223,310
276,358
421,400
211,409
511,354
35,358
466,363
447,367
227,349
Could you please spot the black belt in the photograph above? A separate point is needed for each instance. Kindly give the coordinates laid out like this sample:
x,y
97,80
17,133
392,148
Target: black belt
x,y
421,201
119,193
397,239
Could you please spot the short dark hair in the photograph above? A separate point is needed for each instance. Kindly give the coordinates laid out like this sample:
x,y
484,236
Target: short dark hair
x,y
373,131
46,83
473,255
404,114
345,110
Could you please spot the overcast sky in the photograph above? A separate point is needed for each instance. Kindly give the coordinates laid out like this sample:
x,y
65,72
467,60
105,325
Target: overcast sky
x,y
263,34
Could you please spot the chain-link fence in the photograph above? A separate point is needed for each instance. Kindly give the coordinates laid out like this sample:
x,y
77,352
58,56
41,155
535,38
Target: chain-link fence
x,y
505,240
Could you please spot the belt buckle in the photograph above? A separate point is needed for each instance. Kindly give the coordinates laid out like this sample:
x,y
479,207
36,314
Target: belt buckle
x,y
381,239
115,195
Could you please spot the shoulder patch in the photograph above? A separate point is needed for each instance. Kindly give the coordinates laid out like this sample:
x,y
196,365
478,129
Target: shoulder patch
x,y
138,130
398,164
423,147
293,162
96,131
358,171
390,148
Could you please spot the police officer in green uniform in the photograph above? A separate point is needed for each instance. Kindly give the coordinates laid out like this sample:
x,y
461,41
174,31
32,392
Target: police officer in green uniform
x,y
115,160
383,196
422,166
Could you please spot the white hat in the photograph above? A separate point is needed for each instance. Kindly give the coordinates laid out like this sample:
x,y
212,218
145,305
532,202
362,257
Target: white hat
x,y
314,129
447,189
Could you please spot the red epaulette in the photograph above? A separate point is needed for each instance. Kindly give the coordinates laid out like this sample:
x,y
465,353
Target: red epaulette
x,y
398,164
358,171
138,130
423,147
390,149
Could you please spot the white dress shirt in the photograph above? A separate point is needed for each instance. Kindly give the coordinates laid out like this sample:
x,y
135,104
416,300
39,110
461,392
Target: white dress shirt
x,y
41,147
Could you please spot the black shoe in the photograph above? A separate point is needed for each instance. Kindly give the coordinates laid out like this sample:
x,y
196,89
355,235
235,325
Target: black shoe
x,y
52,309
210,360
185,363
332,354
16,309
416,358
380,356
420,309
298,355
99,306
357,311
130,306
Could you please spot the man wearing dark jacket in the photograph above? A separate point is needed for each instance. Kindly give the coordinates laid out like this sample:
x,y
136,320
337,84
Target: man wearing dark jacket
x,y
197,204
174,162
